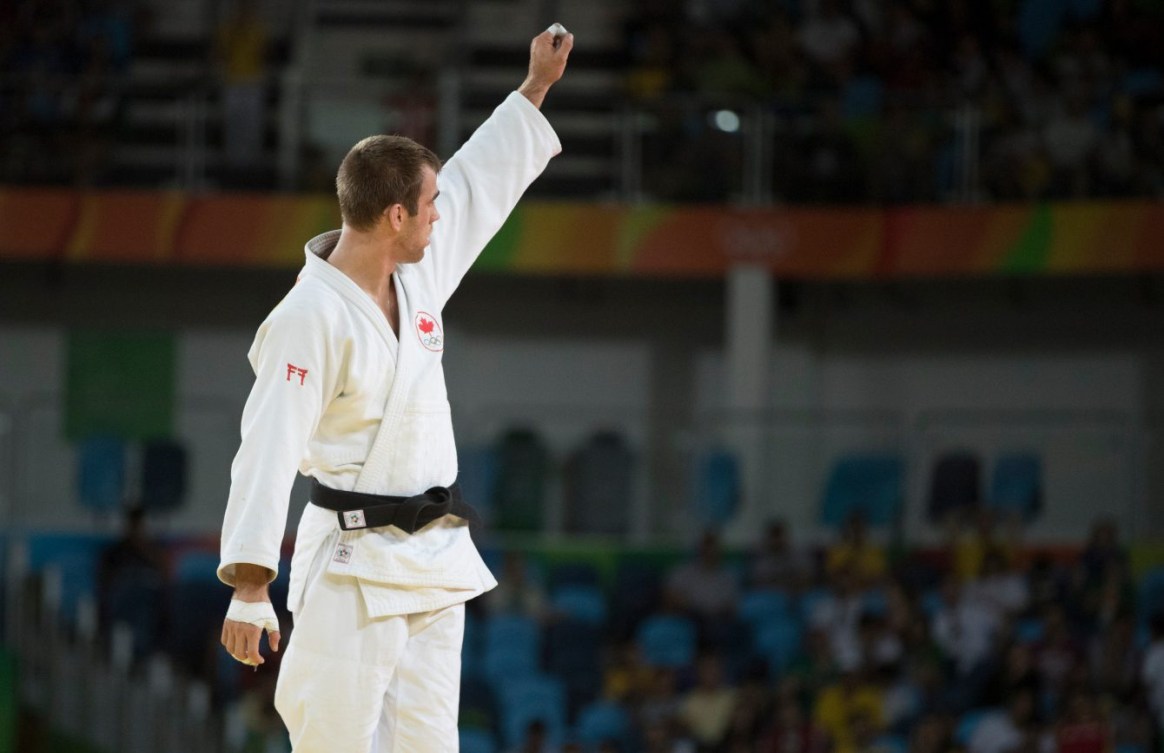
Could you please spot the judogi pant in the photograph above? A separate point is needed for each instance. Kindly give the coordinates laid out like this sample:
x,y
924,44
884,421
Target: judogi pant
x,y
356,684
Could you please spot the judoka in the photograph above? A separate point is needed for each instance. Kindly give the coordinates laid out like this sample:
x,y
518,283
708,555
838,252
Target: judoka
x,y
349,390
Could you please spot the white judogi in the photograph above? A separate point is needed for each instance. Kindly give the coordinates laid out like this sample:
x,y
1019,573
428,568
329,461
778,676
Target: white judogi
x,y
340,397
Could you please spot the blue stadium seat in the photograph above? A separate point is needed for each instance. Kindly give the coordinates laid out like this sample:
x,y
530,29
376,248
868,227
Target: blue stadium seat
x,y
526,699
763,605
477,476
477,741
1016,485
717,487
586,603
502,662
196,565
77,557
667,641
869,485
1151,593
778,642
601,721
101,473
1029,630
504,630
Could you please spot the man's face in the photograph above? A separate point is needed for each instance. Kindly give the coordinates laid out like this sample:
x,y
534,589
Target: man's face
x,y
417,229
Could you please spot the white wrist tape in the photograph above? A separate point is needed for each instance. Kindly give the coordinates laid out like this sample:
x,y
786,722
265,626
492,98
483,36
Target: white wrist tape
x,y
259,613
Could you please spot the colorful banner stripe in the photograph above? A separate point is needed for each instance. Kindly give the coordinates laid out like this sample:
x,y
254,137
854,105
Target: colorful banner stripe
x,y
265,230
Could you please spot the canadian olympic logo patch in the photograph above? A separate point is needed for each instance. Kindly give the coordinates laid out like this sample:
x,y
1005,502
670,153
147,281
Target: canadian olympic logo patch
x,y
428,329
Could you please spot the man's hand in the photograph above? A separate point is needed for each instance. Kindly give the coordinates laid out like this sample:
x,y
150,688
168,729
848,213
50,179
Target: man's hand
x,y
241,638
546,65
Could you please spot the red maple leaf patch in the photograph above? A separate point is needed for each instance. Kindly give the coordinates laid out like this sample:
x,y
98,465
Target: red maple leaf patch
x,y
425,326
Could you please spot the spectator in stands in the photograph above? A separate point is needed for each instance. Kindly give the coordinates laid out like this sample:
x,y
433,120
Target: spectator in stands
x,y
1103,550
855,555
662,701
131,580
1016,673
1057,655
626,677
968,632
517,592
846,708
838,613
1006,731
1083,728
704,586
1001,586
971,543
706,710
830,40
1115,658
1070,139
1152,669
791,731
536,739
240,55
776,563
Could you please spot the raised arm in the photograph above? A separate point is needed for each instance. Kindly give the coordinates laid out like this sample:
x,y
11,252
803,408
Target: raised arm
x,y
482,182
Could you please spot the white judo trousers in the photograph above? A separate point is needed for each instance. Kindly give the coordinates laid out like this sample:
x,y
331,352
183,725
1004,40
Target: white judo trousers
x,y
359,684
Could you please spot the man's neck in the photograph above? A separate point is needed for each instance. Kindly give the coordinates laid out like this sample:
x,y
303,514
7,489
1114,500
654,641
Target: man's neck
x,y
366,259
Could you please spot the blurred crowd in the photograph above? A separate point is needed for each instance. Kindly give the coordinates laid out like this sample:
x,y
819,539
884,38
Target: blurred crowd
x,y
64,65
905,100
983,645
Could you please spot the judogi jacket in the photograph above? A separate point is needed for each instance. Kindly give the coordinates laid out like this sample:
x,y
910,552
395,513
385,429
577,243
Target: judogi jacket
x,y
329,371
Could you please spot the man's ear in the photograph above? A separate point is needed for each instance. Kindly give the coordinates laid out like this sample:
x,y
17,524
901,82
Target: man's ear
x,y
395,215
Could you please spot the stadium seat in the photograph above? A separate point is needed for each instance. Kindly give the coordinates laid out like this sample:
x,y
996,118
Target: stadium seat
x,y
1151,593
476,741
778,642
508,661
717,487
586,603
196,565
163,475
598,487
955,485
76,557
1016,485
523,464
764,605
503,630
601,721
101,473
1029,630
477,476
869,485
526,699
667,641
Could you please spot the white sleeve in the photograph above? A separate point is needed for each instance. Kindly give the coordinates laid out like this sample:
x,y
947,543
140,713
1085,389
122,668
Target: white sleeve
x,y
482,183
293,381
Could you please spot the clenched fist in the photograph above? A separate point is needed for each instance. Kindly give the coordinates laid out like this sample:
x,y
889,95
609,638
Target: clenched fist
x,y
547,63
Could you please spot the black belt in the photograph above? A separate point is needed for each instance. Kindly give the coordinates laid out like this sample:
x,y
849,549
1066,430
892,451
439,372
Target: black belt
x,y
357,510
